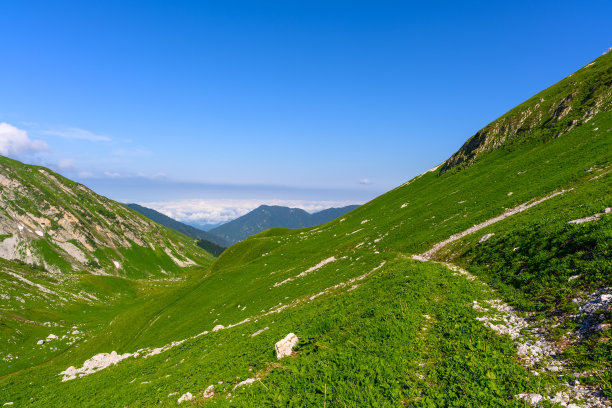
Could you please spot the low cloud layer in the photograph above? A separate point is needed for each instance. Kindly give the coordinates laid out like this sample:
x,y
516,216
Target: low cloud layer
x,y
15,142
76,133
213,211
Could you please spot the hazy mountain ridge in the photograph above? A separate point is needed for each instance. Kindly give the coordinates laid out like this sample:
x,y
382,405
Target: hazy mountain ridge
x,y
188,230
274,216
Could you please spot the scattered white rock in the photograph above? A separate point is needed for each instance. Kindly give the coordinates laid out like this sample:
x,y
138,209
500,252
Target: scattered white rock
x,y
485,237
209,392
285,346
218,327
76,332
364,221
39,342
259,331
307,271
590,218
243,383
571,278
94,364
185,397
510,193
117,264
532,399
51,337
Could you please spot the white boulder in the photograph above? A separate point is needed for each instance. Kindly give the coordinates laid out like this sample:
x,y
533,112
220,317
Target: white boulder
x,y
285,346
218,327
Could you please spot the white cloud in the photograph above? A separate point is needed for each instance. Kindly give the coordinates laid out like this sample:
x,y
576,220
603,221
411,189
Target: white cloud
x,y
137,152
85,174
76,133
365,181
112,174
66,165
15,142
217,210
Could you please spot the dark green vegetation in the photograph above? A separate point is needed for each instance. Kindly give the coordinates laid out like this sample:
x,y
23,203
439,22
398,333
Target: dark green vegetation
x,y
273,216
216,241
376,328
208,246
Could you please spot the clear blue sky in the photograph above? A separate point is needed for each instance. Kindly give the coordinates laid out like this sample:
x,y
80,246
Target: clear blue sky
x,y
306,100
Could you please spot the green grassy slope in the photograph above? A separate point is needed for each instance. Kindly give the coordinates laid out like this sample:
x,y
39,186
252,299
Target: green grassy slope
x,y
376,327
568,104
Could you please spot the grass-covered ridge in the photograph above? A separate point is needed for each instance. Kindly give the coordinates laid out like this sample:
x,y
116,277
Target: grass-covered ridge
x,y
63,226
375,327
568,104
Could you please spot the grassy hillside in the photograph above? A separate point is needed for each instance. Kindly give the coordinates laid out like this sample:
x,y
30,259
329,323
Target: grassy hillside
x,y
384,313
55,224
571,103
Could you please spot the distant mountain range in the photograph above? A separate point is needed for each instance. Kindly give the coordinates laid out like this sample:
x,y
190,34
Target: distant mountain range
x,y
274,216
260,219
179,226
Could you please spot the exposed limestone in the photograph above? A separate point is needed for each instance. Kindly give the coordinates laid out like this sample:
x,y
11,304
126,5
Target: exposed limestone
x,y
285,346
209,392
307,271
248,381
593,217
185,397
485,237
258,332
94,364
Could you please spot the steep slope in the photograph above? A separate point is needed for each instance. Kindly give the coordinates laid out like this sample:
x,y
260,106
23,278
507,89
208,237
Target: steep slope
x,y
571,103
274,216
72,260
380,321
54,223
179,226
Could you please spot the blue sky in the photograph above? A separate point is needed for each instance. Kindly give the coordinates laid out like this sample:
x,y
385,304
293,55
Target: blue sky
x,y
312,102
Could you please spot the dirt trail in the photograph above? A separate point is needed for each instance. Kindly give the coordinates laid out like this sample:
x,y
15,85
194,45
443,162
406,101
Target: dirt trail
x,y
426,256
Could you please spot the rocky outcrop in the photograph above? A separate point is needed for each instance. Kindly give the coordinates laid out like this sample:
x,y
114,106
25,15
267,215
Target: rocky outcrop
x,y
550,114
41,209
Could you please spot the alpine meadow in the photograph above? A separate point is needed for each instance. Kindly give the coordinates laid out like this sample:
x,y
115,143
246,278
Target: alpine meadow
x,y
486,281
